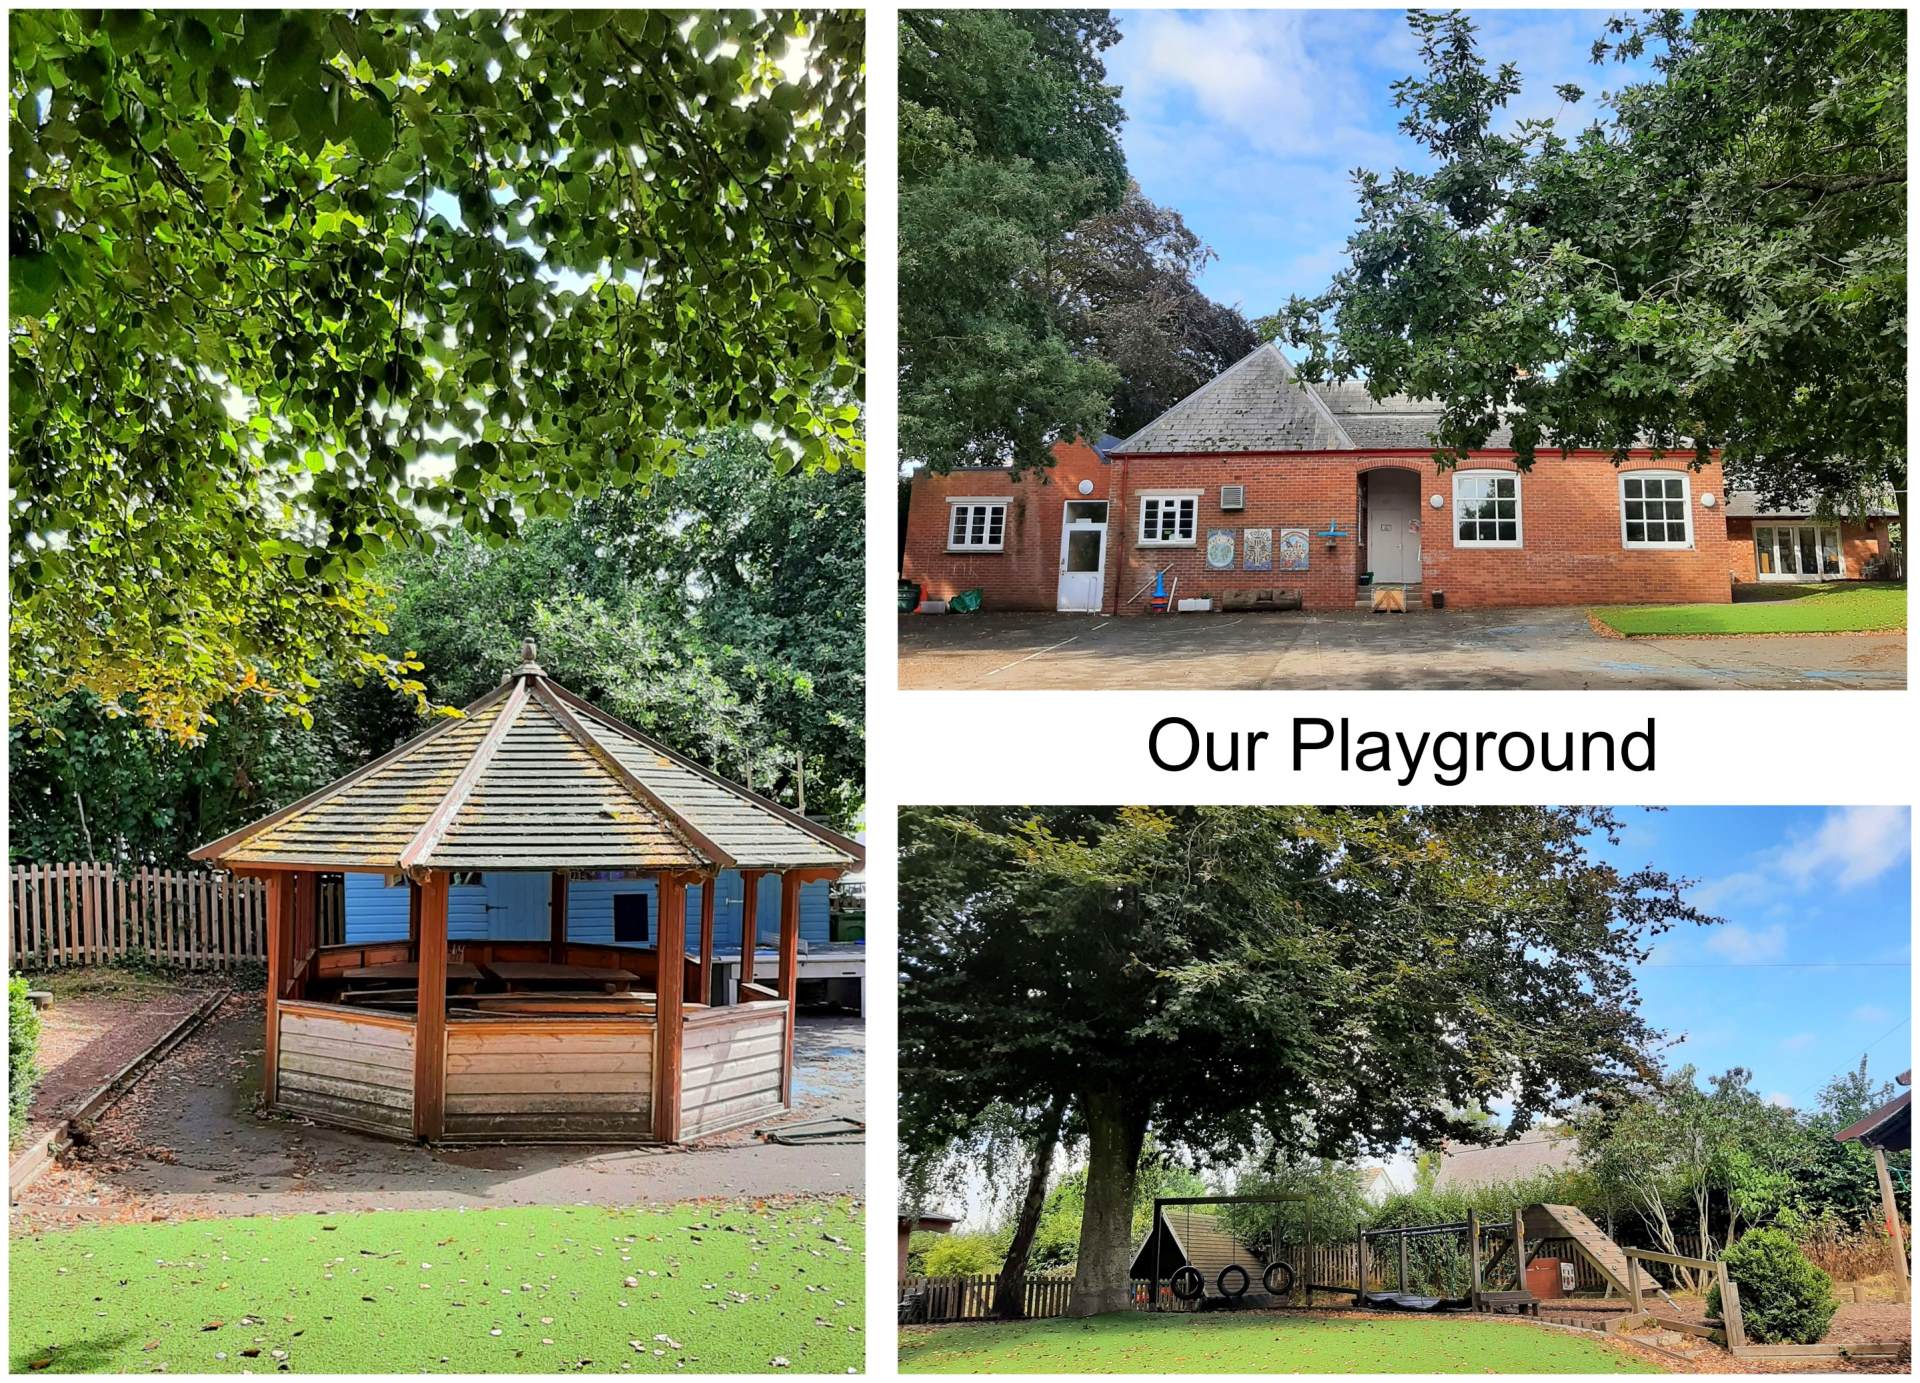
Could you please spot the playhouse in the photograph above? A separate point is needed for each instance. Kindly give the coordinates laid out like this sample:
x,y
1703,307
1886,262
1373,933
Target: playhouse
x,y
519,963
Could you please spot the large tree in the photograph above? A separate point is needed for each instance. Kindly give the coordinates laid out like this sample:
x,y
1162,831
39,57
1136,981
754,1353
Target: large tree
x,y
1720,263
1125,282
291,288
1009,138
1321,982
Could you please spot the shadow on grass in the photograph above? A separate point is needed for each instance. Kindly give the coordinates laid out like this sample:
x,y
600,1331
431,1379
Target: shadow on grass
x,y
98,1353
1760,593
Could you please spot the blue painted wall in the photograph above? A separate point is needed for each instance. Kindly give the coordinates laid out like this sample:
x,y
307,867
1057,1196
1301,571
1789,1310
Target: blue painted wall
x,y
513,906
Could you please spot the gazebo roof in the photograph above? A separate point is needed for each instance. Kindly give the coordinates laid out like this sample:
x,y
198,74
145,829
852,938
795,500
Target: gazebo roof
x,y
532,777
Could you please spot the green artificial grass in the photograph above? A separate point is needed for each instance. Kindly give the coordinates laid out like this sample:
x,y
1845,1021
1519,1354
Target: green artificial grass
x,y
1813,609
1260,1342
705,1287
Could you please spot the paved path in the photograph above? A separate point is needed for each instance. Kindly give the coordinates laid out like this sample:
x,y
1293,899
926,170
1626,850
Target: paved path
x,y
1541,649
186,1144
85,1042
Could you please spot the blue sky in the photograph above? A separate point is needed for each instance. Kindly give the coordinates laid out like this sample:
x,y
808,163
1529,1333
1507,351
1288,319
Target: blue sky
x,y
1811,966
1249,122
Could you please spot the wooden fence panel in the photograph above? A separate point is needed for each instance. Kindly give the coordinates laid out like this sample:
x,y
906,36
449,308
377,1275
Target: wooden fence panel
x,y
970,1298
91,914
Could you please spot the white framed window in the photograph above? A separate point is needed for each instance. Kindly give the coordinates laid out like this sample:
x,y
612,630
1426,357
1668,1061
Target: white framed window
x,y
1486,509
1169,519
1655,509
976,525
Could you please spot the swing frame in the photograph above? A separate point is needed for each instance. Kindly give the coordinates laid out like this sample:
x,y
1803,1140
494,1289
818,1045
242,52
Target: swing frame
x,y
1160,1204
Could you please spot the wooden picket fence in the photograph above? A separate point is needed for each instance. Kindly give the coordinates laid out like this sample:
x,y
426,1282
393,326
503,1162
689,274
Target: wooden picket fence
x,y
971,1298
94,914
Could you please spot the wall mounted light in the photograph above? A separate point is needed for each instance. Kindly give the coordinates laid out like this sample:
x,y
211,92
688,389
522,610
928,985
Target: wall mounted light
x,y
1086,487
1437,502
1708,500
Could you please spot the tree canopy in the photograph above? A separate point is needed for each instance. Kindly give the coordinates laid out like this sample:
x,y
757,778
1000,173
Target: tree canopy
x,y
721,612
1720,263
1307,982
1041,295
293,289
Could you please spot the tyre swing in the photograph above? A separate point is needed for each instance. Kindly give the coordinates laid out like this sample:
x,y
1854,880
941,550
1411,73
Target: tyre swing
x,y
1187,1284
1278,1279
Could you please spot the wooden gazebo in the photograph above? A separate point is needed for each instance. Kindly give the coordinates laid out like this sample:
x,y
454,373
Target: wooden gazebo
x,y
520,1039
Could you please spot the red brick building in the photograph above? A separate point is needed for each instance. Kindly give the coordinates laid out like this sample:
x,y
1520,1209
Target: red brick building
x,y
1260,482
1791,543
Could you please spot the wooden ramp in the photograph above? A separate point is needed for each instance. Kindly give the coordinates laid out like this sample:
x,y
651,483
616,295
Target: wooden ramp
x,y
1571,1222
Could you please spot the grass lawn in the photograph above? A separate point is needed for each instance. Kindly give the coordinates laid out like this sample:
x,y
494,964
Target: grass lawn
x,y
703,1287
1260,1342
1837,608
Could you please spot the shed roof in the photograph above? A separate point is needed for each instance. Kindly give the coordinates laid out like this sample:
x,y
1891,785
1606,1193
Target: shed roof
x,y
1189,1235
532,777
1890,1126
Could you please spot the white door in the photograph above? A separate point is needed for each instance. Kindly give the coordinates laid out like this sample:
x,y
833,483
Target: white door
x,y
1083,556
1393,534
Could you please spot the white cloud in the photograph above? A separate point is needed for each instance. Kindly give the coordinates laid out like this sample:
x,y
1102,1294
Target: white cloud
x,y
1780,1100
1800,1041
1870,1015
1851,846
1747,946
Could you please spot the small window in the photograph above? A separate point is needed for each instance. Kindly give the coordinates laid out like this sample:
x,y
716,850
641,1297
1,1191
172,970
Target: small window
x,y
1086,511
1168,520
1653,510
630,919
976,525
1486,509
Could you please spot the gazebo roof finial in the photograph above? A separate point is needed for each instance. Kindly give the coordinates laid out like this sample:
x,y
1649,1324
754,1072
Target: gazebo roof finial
x,y
529,667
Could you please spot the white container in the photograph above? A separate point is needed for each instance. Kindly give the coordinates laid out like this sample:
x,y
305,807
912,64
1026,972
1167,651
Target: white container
x,y
933,607
1198,605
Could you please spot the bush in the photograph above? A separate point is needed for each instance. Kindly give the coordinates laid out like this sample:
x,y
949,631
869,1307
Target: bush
x,y
23,1050
1784,1299
964,1255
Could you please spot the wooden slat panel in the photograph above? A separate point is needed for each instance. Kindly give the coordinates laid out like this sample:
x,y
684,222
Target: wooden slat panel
x,y
307,1067
541,1084
722,1055
556,1062
633,1126
294,1082
725,1037
396,1058
367,1028
728,1112
618,1102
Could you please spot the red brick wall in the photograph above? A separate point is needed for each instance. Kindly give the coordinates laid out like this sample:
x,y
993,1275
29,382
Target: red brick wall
x,y
1026,575
1740,559
1570,517
1860,544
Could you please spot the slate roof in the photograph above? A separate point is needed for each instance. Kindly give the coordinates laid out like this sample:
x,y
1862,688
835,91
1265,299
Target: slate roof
x,y
1261,405
1255,405
1745,504
532,777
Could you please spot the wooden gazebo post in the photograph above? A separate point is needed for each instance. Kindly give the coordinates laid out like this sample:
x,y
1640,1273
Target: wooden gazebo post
x,y
709,886
749,921
669,1007
279,953
789,981
430,1023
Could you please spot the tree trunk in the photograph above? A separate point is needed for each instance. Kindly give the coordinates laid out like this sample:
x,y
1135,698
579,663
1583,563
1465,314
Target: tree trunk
x,y
1010,1292
1899,553
1116,1130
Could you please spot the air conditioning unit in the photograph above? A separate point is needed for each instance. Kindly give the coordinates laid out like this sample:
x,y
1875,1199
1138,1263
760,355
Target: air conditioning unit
x,y
1233,497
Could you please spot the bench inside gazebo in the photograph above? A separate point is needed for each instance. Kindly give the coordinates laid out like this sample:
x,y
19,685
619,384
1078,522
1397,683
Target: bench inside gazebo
x,y
549,985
